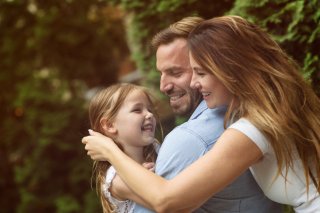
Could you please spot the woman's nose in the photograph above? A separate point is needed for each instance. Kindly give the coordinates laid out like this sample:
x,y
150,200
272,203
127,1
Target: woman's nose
x,y
194,84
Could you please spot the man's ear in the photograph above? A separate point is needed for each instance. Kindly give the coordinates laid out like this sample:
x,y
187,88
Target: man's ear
x,y
107,126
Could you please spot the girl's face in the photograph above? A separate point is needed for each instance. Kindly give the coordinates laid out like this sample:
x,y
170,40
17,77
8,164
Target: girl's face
x,y
213,91
135,124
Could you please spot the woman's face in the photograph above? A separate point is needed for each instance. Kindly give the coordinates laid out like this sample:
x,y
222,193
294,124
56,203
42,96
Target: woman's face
x,y
213,91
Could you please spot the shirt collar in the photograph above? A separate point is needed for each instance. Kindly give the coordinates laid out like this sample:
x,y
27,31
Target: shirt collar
x,y
202,107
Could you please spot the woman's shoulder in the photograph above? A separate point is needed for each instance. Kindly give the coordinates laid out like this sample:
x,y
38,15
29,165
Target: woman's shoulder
x,y
246,127
243,124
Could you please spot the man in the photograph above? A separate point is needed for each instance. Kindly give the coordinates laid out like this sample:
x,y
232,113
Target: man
x,y
189,141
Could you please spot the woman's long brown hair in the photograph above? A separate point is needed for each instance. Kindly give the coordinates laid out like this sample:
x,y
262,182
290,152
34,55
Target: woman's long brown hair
x,y
267,86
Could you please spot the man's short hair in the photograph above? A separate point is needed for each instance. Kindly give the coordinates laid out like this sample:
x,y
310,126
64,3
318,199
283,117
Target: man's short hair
x,y
179,29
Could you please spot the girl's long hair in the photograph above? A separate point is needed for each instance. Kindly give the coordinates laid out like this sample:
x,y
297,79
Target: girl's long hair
x,y
267,87
106,104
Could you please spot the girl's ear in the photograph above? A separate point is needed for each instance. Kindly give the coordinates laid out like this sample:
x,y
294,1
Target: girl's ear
x,y
107,126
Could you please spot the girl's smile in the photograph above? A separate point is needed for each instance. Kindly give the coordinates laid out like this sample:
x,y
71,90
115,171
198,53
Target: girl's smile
x,y
135,123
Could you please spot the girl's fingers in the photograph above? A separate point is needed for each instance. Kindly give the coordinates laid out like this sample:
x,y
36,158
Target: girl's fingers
x,y
148,165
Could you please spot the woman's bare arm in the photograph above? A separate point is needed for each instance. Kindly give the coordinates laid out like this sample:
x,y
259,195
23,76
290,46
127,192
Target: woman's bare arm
x,y
231,155
121,191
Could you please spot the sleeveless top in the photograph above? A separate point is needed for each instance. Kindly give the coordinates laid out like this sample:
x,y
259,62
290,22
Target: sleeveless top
x,y
292,191
120,206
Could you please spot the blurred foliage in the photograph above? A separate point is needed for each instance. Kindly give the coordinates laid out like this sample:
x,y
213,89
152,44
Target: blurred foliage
x,y
51,53
294,24
145,18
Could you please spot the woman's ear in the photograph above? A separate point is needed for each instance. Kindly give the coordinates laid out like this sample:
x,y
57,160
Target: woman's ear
x,y
107,126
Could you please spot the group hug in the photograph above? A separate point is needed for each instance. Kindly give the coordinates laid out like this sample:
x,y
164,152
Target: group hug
x,y
251,142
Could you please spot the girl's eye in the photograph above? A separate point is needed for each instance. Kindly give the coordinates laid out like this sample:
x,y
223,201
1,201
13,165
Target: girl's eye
x,y
136,110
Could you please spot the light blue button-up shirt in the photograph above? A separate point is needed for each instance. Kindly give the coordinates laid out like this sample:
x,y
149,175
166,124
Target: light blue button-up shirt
x,y
188,142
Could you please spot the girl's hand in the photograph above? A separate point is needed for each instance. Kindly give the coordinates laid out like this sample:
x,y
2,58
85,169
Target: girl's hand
x,y
98,146
149,165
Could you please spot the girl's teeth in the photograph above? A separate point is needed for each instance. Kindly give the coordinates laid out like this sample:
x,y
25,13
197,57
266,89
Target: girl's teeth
x,y
148,127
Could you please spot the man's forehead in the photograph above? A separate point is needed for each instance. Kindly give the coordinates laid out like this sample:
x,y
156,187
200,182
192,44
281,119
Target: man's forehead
x,y
178,43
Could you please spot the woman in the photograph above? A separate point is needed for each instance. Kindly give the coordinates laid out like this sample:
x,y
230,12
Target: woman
x,y
273,122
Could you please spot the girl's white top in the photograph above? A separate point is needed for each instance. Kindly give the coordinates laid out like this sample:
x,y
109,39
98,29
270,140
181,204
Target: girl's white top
x,y
125,206
291,192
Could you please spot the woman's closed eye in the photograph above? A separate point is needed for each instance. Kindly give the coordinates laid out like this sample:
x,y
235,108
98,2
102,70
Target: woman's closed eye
x,y
201,73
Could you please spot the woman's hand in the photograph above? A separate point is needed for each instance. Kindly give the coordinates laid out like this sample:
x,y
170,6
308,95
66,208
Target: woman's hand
x,y
98,146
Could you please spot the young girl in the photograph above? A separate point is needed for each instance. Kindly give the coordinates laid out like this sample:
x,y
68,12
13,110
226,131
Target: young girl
x,y
125,113
273,122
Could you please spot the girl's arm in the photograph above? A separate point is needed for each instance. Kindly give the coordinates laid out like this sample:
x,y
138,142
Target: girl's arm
x,y
233,153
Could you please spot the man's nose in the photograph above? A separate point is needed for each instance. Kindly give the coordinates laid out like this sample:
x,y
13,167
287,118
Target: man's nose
x,y
165,84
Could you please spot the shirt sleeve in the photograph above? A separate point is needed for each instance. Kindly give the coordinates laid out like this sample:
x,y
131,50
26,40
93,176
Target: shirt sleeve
x,y
247,128
119,205
180,149
110,174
